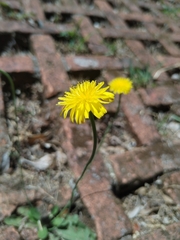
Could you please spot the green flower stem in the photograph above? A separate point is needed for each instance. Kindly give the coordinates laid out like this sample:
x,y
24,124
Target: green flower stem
x,y
118,107
67,207
91,157
8,77
110,123
12,90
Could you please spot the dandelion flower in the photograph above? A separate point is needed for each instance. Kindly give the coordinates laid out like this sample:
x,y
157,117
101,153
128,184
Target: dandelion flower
x,y
84,98
120,85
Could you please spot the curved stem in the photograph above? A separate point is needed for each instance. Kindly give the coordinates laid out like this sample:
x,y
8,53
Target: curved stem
x,y
91,157
12,89
110,123
67,207
118,107
8,77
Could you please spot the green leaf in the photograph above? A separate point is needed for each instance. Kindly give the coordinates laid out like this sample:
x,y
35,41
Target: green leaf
x,y
24,211
60,222
34,214
13,221
75,233
174,117
53,237
54,210
4,4
74,219
75,229
30,225
140,77
43,233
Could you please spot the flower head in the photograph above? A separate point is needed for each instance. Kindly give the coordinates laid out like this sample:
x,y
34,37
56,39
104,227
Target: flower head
x,y
84,98
120,85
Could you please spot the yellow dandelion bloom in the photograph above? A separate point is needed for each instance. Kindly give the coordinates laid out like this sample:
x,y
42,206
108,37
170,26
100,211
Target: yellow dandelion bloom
x,y
120,85
84,98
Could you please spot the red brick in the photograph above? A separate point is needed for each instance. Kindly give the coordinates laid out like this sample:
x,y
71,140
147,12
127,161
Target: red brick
x,y
103,6
153,29
88,62
143,164
95,189
13,4
162,78
51,8
137,17
110,220
34,7
162,95
17,64
116,21
7,26
139,120
53,28
53,74
162,36
170,157
109,32
24,28
139,50
69,3
131,6
93,12
145,57
175,37
154,9
171,182
173,27
72,10
171,231
90,35
168,61
137,166
113,18
170,47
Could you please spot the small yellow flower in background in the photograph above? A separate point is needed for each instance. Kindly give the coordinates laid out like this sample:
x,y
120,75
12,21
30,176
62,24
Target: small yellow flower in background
x,y
120,85
84,98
